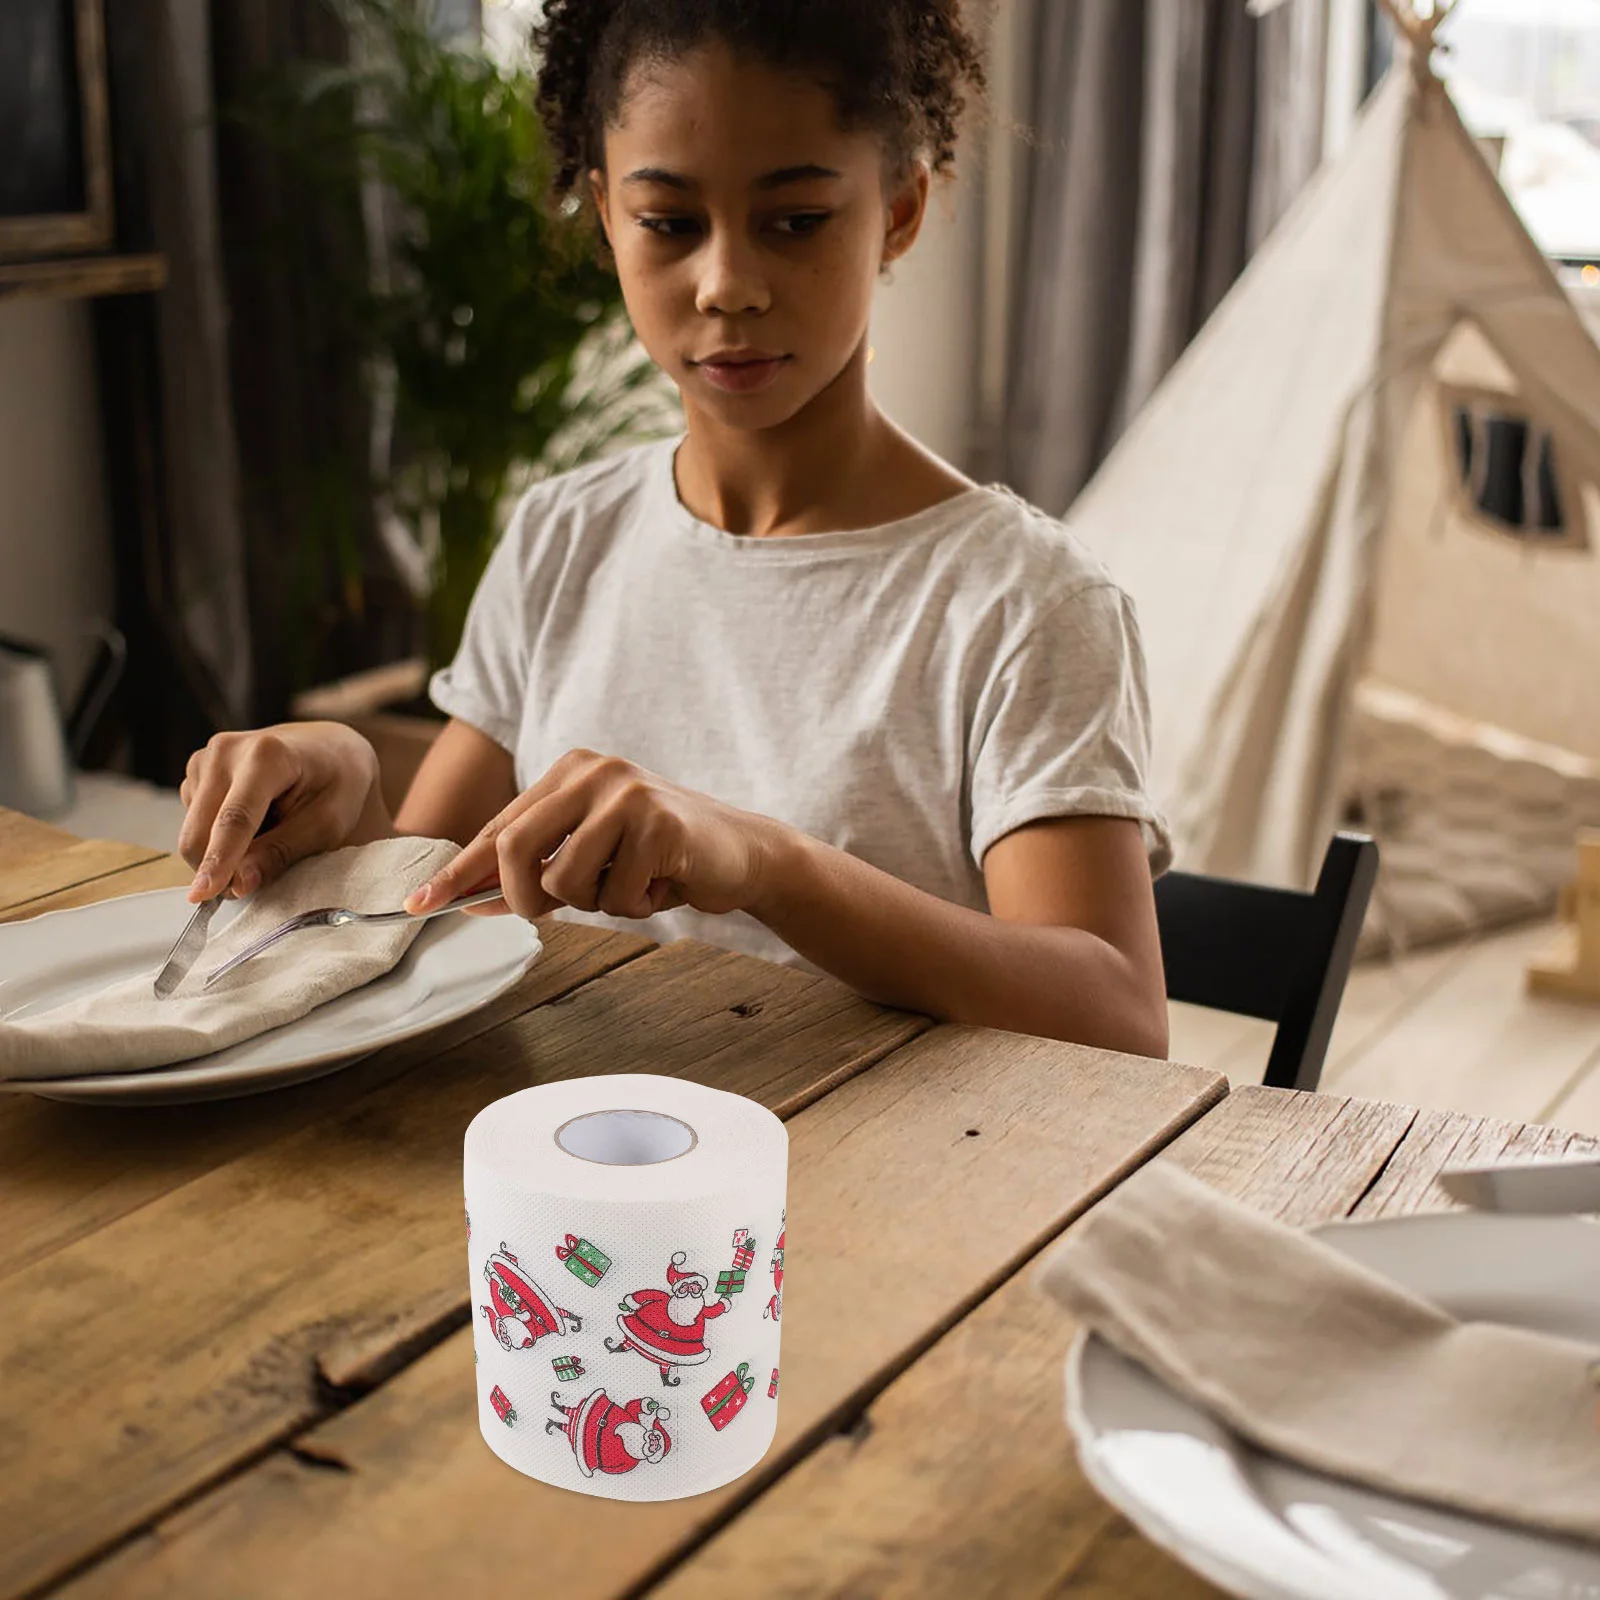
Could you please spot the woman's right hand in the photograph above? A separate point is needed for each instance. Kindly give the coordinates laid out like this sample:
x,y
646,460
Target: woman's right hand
x,y
319,779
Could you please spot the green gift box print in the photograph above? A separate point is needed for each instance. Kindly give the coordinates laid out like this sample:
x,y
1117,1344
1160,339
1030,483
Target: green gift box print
x,y
583,1260
730,1282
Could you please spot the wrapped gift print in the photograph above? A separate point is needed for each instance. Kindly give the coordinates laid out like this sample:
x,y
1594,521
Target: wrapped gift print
x,y
568,1368
503,1408
744,1249
772,1388
726,1401
586,1263
730,1282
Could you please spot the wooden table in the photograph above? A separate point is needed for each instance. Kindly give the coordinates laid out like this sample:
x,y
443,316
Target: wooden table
x,y
235,1352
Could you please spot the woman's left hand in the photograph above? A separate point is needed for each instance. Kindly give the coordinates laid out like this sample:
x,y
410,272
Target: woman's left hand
x,y
600,834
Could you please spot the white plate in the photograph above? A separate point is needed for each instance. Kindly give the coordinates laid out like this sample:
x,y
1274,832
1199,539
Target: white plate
x,y
455,965
1268,1530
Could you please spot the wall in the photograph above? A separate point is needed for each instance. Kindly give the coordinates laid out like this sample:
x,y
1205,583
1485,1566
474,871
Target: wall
x,y
943,323
55,549
925,325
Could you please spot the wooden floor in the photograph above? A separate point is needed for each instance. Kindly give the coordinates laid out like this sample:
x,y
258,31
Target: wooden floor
x,y
1449,1029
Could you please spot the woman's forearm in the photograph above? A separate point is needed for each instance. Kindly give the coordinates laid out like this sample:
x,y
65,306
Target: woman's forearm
x,y
905,947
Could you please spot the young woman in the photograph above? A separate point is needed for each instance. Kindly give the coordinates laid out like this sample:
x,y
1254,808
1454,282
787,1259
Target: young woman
x,y
791,683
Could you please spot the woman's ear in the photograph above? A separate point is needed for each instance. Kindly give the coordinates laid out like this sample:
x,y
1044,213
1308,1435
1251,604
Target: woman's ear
x,y
597,193
908,205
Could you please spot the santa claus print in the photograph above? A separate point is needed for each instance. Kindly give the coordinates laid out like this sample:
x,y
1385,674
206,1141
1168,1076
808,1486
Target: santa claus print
x,y
606,1437
520,1313
668,1326
777,1251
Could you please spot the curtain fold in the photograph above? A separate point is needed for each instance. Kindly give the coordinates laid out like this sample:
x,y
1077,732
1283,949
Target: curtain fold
x,y
1169,138
322,593
169,434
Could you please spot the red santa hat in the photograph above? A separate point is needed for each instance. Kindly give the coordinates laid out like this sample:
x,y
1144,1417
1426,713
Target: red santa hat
x,y
675,1277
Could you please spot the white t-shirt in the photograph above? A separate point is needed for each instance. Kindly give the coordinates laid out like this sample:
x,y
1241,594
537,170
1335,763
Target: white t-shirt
x,y
908,693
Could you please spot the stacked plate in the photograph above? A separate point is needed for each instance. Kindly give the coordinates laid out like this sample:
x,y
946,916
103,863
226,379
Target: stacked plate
x,y
1266,1529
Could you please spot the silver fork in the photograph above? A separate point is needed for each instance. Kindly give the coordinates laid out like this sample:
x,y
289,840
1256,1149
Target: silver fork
x,y
336,917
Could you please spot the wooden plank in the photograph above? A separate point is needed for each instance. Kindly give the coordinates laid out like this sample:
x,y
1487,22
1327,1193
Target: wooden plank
x,y
900,1219
83,277
227,1314
961,1480
66,1170
165,872
22,835
30,875
1437,1140
1479,1044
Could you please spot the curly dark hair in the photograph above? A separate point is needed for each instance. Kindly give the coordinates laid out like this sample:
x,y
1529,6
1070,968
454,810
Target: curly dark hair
x,y
907,68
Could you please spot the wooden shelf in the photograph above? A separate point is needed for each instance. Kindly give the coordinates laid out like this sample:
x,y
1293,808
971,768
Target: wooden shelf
x,y
82,278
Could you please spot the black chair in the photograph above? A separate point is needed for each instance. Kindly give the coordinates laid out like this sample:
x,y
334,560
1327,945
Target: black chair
x,y
1281,954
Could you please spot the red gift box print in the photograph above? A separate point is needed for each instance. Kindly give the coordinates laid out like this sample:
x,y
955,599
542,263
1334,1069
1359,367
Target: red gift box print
x,y
726,1401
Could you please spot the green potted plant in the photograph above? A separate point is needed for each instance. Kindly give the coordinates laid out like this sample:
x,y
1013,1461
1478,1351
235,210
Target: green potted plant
x,y
496,346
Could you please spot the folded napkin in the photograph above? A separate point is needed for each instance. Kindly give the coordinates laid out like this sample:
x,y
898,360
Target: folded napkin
x,y
1299,1350
123,1027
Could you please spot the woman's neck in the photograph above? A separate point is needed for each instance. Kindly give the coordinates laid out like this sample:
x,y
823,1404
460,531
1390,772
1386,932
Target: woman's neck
x,y
837,464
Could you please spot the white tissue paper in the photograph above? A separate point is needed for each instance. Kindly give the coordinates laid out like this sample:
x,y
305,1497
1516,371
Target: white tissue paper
x,y
625,1245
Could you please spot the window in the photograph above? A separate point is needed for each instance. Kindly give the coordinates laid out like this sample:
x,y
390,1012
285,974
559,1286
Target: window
x,y
1525,75
1506,465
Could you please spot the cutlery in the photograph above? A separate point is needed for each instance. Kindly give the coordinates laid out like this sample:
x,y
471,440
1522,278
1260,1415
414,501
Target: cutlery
x,y
186,951
1528,1188
337,917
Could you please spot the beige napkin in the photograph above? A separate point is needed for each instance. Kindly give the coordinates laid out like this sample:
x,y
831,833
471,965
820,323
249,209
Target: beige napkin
x,y
124,1028
1328,1364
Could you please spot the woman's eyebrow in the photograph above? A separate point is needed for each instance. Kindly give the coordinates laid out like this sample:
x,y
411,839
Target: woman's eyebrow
x,y
672,180
800,174
777,179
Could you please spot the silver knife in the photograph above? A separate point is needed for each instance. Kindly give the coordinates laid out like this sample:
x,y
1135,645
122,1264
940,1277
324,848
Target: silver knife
x,y
190,943
1567,1186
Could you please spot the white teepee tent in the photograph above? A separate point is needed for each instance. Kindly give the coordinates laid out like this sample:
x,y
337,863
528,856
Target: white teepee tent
x,y
1361,524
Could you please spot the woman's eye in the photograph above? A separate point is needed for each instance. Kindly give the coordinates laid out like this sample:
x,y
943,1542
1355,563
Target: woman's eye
x,y
801,224
670,227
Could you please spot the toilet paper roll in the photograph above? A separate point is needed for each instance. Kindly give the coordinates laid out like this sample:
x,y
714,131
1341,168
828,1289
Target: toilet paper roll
x,y
625,1243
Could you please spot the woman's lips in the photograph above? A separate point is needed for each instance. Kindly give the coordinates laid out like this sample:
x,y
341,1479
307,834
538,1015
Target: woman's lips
x,y
742,375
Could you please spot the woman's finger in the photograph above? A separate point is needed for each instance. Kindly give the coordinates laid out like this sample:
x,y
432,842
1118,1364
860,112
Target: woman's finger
x,y
242,811
574,876
206,797
559,798
624,888
478,864
529,845
276,848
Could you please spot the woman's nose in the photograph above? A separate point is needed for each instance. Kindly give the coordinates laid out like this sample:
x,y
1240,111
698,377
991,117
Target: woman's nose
x,y
731,282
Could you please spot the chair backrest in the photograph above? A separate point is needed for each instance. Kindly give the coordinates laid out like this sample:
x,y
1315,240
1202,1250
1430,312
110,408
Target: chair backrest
x,y
1281,954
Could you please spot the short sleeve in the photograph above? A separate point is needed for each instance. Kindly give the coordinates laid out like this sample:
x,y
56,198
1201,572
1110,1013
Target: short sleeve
x,y
1063,726
487,682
